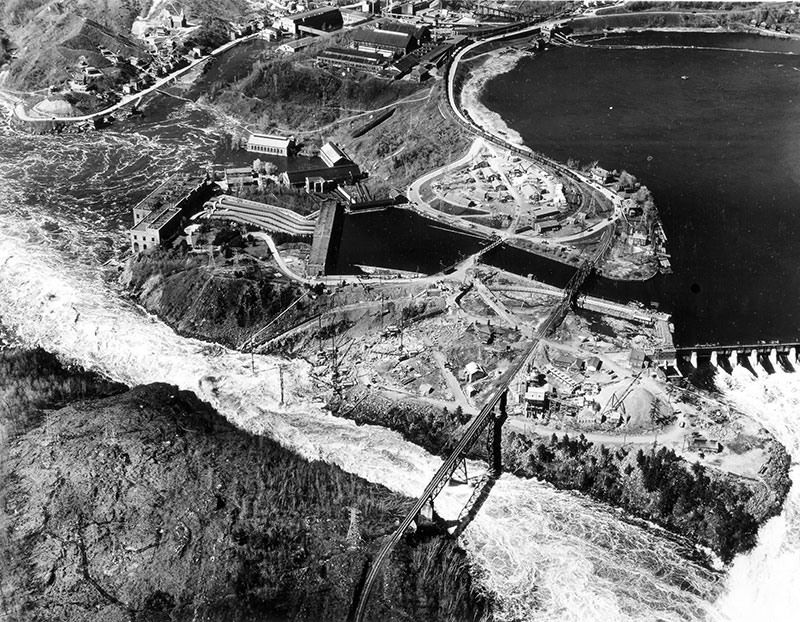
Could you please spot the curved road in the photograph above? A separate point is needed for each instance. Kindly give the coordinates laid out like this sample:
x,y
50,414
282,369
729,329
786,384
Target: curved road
x,y
22,115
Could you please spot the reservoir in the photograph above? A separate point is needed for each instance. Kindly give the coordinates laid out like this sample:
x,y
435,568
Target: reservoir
x,y
713,129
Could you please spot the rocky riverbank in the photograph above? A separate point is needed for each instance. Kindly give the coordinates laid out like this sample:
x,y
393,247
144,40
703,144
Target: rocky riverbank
x,y
147,505
710,508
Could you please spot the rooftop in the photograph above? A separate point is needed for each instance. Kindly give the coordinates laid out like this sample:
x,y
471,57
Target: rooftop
x,y
269,140
320,11
353,55
382,37
157,218
332,155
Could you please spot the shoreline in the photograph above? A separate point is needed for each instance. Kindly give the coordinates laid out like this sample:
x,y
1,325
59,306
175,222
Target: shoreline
x,y
496,63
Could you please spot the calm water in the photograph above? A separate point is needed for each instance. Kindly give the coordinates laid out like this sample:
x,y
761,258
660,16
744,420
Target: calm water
x,y
720,150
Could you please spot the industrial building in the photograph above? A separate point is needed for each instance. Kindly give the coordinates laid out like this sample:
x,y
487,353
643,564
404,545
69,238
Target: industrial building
x,y
160,215
547,225
386,43
354,59
272,145
347,173
332,155
323,19
419,32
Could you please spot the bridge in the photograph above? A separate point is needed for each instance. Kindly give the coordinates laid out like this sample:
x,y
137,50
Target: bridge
x,y
486,418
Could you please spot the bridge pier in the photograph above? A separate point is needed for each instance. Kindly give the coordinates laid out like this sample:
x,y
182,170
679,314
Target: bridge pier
x,y
714,361
793,355
734,358
426,514
693,359
773,358
495,437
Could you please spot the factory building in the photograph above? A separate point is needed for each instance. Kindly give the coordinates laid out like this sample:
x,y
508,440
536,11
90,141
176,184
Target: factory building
x,y
325,19
269,144
355,59
160,215
386,43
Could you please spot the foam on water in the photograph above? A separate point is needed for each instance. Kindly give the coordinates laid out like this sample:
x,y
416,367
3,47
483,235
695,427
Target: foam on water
x,y
765,583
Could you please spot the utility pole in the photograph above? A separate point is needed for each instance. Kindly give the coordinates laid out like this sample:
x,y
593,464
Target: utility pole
x,y
280,372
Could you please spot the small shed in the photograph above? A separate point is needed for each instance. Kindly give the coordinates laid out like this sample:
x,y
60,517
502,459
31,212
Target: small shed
x,y
473,371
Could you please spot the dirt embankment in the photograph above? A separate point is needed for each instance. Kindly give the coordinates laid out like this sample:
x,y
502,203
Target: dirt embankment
x,y
224,301
149,506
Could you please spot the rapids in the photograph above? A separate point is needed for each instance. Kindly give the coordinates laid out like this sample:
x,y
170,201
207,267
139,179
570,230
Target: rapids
x,y
544,554
765,583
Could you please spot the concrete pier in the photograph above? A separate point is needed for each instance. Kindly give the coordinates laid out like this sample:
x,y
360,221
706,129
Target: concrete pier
x,y
793,355
753,359
773,358
693,359
714,361
734,358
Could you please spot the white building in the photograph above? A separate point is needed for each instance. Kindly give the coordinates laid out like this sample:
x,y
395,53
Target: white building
x,y
273,145
473,372
332,155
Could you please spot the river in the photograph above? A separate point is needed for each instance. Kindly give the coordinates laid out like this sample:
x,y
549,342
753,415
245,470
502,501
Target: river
x,y
710,124
545,554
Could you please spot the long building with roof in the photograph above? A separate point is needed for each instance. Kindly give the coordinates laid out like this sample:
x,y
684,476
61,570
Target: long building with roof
x,y
355,59
160,215
386,43
270,144
323,19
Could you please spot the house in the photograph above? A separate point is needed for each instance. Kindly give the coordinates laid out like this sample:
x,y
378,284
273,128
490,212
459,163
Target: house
x,y
238,177
271,144
332,155
593,363
472,372
269,33
636,360
566,361
419,74
601,175
325,19
545,212
698,442
637,238
535,398
547,225
386,43
290,47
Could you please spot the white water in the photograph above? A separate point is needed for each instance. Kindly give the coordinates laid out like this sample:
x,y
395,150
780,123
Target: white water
x,y
765,583
546,555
